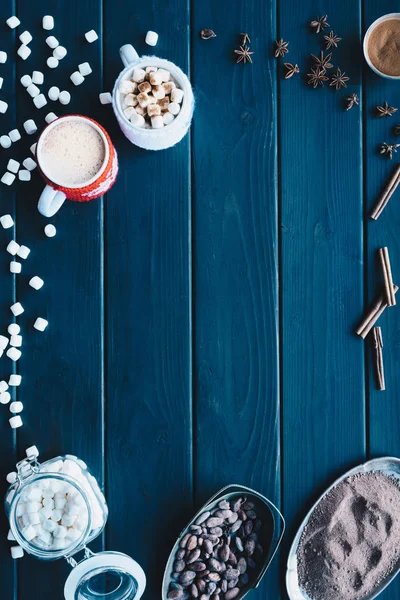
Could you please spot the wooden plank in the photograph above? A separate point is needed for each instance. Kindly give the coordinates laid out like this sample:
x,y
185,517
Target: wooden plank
x,y
236,287
322,262
148,317
383,406
62,369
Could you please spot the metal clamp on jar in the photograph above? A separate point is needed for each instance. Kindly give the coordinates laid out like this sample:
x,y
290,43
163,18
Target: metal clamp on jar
x,y
55,509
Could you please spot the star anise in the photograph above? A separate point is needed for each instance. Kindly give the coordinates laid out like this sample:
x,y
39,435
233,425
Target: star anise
x,y
339,79
331,40
319,23
207,34
281,48
396,129
388,149
317,77
351,101
385,110
245,38
291,70
244,54
323,61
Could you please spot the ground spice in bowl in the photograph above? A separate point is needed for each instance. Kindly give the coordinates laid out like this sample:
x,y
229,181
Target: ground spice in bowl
x,y
351,542
383,47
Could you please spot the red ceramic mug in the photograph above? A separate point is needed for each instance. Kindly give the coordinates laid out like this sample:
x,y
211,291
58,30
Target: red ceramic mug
x,y
59,188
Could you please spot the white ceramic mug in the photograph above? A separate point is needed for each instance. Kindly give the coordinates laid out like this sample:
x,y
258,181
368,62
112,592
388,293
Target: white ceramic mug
x,y
153,139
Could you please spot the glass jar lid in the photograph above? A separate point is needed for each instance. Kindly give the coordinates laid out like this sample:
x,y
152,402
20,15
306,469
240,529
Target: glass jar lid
x,y
106,576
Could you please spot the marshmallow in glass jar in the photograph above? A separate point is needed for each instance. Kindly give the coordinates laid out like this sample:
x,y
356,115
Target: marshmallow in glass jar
x,y
55,509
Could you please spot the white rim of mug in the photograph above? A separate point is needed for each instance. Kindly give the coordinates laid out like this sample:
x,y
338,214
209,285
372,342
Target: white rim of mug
x,y
388,17
139,64
54,124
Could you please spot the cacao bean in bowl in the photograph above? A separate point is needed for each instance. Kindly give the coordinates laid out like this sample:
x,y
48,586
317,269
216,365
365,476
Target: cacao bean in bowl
x,y
226,548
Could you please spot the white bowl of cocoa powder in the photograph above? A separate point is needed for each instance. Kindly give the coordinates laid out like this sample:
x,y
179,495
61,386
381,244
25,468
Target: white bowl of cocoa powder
x,y
382,46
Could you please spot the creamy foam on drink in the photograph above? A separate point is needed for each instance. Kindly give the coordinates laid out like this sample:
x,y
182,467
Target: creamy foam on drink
x,y
72,153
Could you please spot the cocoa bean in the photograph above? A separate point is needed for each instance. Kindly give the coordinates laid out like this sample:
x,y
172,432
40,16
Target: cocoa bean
x,y
224,552
207,546
201,585
249,546
231,594
248,527
202,574
184,540
253,536
224,586
242,515
175,594
212,538
236,504
223,514
233,583
180,553
232,559
206,555
198,566
258,552
192,543
179,565
243,579
251,514
216,531
257,525
218,590
239,544
195,529
194,591
248,505
215,565
242,565
214,522
187,577
234,517
251,563
211,587
214,577
231,574
204,597
203,517
193,556
235,526
200,541
223,504
215,596
175,575
175,586
204,530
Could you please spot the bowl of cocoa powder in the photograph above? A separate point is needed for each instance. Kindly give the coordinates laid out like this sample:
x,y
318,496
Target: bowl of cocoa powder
x,y
382,46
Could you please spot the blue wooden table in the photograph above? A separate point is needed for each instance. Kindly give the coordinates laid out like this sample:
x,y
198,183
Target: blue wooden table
x,y
202,313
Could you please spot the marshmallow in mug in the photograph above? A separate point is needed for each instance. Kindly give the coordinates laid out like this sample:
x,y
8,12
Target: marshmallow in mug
x,y
151,97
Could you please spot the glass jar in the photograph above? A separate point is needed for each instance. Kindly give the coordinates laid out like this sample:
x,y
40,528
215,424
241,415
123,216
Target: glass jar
x,y
55,509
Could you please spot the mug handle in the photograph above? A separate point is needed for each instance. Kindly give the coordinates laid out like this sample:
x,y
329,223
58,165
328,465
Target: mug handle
x,y
50,201
128,54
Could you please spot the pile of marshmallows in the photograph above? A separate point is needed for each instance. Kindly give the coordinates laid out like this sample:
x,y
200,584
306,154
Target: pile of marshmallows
x,y
150,98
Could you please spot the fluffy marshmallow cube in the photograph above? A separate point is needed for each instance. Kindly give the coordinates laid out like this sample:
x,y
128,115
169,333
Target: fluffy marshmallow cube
x,y
33,90
60,543
156,78
25,520
60,52
138,75
77,78
60,532
14,135
52,62
11,477
37,77
73,534
56,515
49,502
49,525
26,80
5,141
105,98
60,503
40,324
36,282
20,510
34,519
17,308
12,248
29,163
130,100
52,42
16,341
33,506
14,354
54,93
13,165
40,101
3,388
13,22
174,108
168,118
1,82
30,126
15,380
91,36
3,107
5,397
50,231
153,110
137,120
177,95
10,536
24,51
28,532
85,69
25,38
34,493
3,56
13,329
16,407
50,117
16,552
68,520
23,251
15,267
32,451
127,87
3,346
24,175
151,38
48,22
157,122
6,221
45,538
15,422
45,513
64,97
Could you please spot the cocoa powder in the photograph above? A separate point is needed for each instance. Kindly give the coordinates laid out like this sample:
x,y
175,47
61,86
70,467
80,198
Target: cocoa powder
x,y
383,47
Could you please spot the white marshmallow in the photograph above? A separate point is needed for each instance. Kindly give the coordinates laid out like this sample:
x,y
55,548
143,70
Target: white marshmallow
x,y
13,22
68,520
45,538
33,90
40,101
52,42
54,93
16,552
91,36
15,380
29,163
60,532
13,329
3,387
26,80
12,248
85,69
32,451
30,126
174,108
105,98
34,519
16,407
25,519
60,503
127,87
37,77
50,117
3,57
20,510
1,82
34,493
5,141
11,477
15,267
5,397
48,502
24,175
151,38
10,536
137,120
36,282
3,346
33,506
13,165
17,308
168,118
14,354
49,525
24,51
23,252
3,107
129,111
77,78
157,122
45,513
14,135
64,97
16,341
6,221
156,78
33,148
177,95
48,22
73,534
28,532
25,38
138,75
40,324
60,543
15,422
56,515
52,62
60,52
50,230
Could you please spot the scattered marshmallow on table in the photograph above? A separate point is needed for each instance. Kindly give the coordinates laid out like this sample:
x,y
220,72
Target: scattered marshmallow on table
x,y
15,267
24,175
16,551
52,62
91,36
40,324
24,51
32,451
23,251
8,178
105,98
13,22
48,22
40,101
33,90
10,536
14,354
77,78
15,422
36,282
12,248
5,397
25,38
13,329
33,148
13,165
38,77
52,42
50,230
14,135
30,126
6,221
85,69
60,52
29,163
16,341
5,141
1,82
17,309
11,477
64,97
3,56
151,38
16,407
26,80
50,117
3,345
3,107
15,380
54,93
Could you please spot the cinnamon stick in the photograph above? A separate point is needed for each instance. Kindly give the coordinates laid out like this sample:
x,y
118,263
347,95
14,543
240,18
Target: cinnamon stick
x,y
379,369
386,194
387,275
373,314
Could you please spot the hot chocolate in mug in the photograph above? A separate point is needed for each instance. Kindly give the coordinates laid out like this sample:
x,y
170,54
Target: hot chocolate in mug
x,y
78,161
148,138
